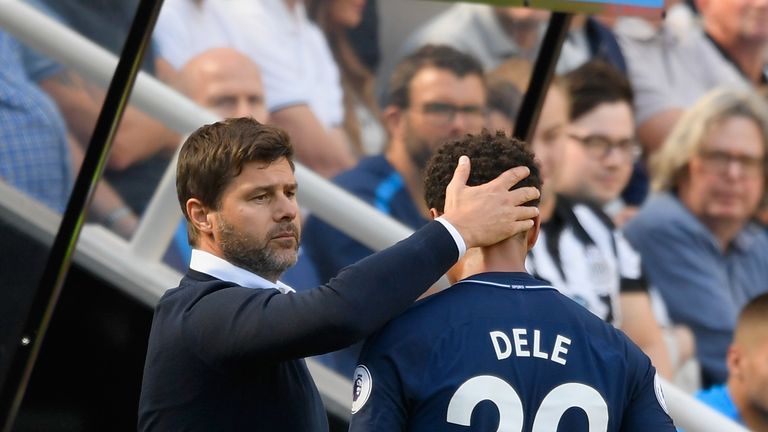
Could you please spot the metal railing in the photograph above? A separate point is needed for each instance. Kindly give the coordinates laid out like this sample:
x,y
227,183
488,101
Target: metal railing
x,y
332,204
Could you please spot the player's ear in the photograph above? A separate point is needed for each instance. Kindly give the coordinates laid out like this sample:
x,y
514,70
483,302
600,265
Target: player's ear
x,y
533,233
433,213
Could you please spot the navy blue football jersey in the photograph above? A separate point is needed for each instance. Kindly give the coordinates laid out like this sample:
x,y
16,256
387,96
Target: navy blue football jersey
x,y
504,352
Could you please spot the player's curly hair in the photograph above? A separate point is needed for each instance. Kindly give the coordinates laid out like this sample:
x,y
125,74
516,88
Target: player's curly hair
x,y
490,155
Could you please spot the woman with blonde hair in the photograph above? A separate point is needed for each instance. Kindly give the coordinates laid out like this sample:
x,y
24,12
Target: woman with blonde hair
x,y
696,234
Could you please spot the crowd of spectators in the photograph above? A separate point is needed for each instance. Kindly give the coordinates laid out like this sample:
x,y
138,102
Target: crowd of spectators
x,y
652,141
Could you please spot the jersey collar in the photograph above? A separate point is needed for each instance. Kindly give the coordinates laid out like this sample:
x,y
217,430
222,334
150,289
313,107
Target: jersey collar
x,y
511,280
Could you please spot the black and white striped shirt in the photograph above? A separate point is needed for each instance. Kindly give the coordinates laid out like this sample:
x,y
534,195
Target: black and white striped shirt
x,y
582,254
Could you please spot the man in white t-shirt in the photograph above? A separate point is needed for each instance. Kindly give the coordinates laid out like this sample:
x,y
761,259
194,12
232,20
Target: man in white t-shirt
x,y
301,79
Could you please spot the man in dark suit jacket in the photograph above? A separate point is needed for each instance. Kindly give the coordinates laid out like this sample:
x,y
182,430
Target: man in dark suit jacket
x,y
227,345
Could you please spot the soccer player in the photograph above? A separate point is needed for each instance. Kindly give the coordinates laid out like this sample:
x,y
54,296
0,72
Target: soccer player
x,y
501,350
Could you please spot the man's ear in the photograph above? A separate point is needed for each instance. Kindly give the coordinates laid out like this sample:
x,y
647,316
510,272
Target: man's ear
x,y
433,213
533,233
734,359
200,216
393,120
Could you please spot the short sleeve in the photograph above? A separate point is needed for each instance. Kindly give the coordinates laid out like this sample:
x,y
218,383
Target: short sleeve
x,y
171,36
647,410
378,393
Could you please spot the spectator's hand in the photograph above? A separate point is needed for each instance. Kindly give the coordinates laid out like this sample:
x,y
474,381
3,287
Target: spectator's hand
x,y
124,223
489,213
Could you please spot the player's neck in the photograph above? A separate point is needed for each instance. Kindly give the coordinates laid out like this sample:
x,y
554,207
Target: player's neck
x,y
506,256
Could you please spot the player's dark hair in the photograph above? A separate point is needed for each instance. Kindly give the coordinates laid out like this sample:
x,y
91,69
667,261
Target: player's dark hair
x,y
594,83
214,154
490,155
435,56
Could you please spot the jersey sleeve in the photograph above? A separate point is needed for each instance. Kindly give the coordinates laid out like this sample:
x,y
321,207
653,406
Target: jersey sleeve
x,y
630,266
378,394
647,410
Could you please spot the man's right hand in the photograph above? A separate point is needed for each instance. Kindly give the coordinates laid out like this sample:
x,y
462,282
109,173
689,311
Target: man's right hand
x,y
489,213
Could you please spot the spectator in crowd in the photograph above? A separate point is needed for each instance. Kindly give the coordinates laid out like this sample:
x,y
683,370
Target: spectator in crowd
x,y
435,366
601,157
490,34
494,34
518,71
37,154
225,81
696,237
362,122
579,252
674,67
226,348
504,100
589,39
437,94
143,146
301,80
744,397
365,37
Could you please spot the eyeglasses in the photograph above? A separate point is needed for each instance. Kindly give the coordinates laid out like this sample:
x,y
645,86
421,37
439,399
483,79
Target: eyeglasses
x,y
721,161
600,146
444,113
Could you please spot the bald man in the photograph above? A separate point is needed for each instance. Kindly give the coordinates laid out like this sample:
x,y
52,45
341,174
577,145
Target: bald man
x,y
744,398
229,84
226,82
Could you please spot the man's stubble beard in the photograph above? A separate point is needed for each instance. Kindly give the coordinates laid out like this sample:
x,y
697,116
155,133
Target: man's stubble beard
x,y
256,255
419,149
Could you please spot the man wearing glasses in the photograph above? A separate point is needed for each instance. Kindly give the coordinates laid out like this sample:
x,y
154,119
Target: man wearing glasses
x,y
696,234
600,157
435,95
580,251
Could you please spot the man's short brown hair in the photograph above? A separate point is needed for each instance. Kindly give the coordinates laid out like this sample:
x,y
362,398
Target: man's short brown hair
x,y
595,83
215,154
429,56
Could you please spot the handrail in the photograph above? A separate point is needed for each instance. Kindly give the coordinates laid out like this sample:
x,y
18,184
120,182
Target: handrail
x,y
332,204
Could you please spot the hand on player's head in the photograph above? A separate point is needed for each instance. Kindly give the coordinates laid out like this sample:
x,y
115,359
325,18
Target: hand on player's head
x,y
489,213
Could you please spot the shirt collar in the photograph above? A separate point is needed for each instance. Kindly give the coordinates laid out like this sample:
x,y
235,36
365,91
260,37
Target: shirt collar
x,y
742,242
210,264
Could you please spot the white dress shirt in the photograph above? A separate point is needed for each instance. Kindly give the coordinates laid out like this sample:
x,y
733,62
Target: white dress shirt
x,y
221,269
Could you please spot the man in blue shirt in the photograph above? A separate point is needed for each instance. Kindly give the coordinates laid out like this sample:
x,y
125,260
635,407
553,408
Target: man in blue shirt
x,y
744,397
696,234
436,94
501,350
34,153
